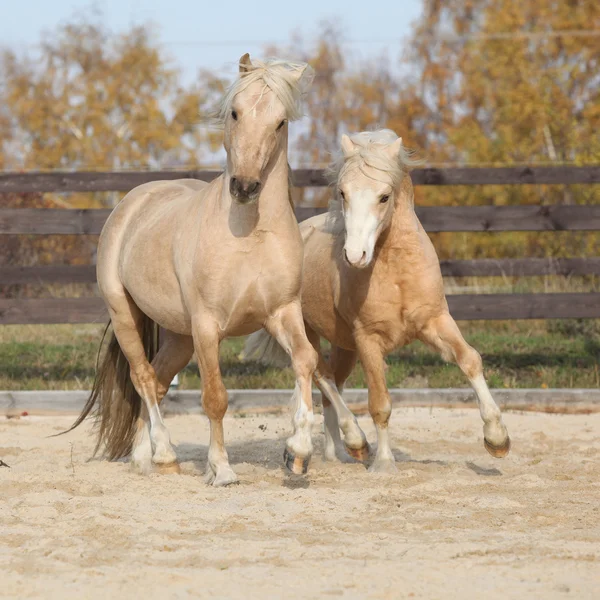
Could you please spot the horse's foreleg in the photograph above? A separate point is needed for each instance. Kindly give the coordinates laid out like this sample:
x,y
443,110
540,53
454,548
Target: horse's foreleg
x,y
443,334
214,401
330,380
380,405
287,327
174,354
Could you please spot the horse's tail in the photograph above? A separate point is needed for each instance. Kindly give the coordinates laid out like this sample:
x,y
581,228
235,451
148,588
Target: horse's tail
x,y
114,402
263,348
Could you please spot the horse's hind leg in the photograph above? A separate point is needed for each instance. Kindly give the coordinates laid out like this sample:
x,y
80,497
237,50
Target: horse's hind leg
x,y
342,362
174,354
127,321
443,334
330,380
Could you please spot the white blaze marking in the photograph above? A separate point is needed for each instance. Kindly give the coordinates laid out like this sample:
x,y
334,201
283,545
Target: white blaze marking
x,y
361,227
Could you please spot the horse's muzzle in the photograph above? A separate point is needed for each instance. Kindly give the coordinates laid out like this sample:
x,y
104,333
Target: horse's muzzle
x,y
361,263
244,190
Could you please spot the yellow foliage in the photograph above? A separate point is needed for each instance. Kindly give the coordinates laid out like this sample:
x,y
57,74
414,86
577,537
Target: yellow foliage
x,y
96,101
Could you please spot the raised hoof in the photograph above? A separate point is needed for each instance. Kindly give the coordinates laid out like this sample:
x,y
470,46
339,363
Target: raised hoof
x,y
296,464
167,468
497,451
383,466
360,454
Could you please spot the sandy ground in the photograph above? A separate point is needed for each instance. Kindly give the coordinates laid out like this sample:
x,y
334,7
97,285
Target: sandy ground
x,y
453,523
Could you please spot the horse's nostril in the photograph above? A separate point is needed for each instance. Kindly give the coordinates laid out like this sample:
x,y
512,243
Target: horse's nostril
x,y
363,258
253,187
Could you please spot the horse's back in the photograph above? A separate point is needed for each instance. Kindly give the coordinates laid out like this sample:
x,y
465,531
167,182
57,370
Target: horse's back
x,y
194,184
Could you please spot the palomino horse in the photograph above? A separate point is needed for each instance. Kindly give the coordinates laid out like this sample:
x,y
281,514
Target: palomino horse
x,y
205,262
372,283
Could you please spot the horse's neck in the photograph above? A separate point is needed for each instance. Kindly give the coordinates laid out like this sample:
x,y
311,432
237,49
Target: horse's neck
x,y
274,200
404,224
275,196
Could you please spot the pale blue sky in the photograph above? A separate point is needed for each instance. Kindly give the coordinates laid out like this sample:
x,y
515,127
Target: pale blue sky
x,y
213,34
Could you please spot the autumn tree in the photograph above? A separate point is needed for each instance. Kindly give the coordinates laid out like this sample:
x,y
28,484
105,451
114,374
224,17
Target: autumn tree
x,y
97,100
510,81
507,83
90,100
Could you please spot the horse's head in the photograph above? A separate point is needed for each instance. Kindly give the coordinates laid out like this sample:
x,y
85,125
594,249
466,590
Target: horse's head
x,y
255,114
368,177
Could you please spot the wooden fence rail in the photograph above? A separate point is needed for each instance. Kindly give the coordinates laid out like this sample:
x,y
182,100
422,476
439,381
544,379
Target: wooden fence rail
x,y
462,307
434,219
483,267
95,181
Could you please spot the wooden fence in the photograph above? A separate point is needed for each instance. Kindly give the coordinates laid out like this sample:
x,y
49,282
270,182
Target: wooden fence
x,y
434,219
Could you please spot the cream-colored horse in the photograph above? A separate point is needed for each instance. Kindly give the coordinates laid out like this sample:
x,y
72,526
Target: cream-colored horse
x,y
205,262
372,283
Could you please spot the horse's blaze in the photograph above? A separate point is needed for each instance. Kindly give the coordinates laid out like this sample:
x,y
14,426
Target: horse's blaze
x,y
361,454
296,464
497,451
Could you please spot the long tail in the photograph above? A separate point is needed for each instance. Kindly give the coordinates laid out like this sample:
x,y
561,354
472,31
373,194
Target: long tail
x,y
114,402
263,348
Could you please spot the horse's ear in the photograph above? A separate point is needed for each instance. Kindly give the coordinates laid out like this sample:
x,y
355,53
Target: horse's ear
x,y
395,148
245,63
347,146
304,76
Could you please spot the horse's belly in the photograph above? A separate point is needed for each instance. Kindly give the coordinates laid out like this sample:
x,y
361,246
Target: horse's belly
x,y
154,286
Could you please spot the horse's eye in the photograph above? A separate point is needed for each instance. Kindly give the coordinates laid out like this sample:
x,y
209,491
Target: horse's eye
x,y
384,199
280,125
234,115
342,195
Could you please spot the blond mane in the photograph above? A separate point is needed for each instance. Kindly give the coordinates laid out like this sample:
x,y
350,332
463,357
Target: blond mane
x,y
369,156
289,81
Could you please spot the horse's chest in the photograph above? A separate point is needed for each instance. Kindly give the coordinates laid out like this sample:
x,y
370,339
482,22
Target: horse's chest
x,y
381,313
247,287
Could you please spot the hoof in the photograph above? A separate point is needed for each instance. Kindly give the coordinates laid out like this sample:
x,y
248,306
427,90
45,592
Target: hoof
x,y
361,454
167,468
225,476
497,451
296,464
384,466
209,475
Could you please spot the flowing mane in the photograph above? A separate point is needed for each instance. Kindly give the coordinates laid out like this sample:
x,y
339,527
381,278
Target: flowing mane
x,y
289,81
370,157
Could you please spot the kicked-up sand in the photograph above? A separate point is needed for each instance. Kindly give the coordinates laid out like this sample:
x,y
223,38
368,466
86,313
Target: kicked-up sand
x,y
452,523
